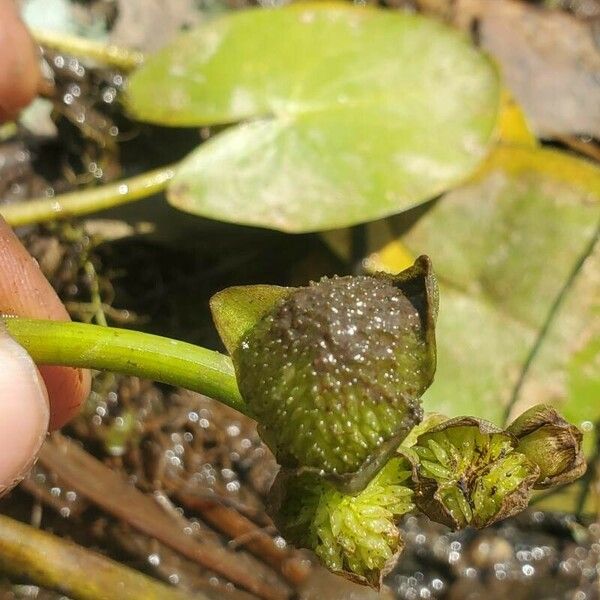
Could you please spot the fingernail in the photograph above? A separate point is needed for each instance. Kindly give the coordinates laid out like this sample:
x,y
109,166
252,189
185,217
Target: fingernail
x,y
24,412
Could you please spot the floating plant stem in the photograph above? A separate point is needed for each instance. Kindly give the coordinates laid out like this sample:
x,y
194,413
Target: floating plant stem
x,y
108,54
81,202
131,353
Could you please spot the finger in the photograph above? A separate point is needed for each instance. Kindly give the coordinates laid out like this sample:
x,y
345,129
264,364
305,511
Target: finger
x,y
20,75
24,412
25,292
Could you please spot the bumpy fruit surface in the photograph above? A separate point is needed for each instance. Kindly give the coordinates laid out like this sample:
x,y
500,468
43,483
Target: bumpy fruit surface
x,y
335,372
354,535
468,472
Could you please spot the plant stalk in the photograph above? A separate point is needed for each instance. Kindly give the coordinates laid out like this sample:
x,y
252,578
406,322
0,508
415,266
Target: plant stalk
x,y
81,202
51,562
131,353
108,54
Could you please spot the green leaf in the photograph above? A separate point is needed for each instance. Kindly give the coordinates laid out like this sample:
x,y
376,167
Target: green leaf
x,y
357,113
236,310
519,287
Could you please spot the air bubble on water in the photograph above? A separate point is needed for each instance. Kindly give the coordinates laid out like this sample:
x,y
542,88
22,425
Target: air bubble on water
x,y
109,94
233,487
154,559
528,570
74,89
233,430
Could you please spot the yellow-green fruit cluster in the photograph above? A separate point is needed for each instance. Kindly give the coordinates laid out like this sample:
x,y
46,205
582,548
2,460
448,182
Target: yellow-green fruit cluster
x,y
356,535
466,471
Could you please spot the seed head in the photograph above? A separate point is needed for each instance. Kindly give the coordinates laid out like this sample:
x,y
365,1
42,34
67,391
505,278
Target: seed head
x,y
550,442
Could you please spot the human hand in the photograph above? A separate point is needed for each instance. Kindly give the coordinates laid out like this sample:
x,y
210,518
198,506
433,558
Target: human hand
x,y
32,400
20,75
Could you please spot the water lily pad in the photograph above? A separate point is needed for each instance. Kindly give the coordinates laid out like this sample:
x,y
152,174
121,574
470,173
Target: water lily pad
x,y
356,113
383,250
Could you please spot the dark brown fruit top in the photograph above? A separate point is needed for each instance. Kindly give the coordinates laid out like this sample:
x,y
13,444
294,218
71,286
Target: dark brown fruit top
x,y
335,372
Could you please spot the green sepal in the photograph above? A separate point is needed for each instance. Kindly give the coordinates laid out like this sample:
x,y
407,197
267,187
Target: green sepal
x,y
236,310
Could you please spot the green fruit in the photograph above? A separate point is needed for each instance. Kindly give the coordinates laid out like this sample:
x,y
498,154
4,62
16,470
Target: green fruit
x,y
356,536
467,472
335,371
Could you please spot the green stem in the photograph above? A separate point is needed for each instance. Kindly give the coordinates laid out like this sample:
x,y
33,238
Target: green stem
x,y
131,353
108,54
81,202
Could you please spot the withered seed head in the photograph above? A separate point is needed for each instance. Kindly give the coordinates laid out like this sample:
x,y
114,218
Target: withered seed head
x,y
551,443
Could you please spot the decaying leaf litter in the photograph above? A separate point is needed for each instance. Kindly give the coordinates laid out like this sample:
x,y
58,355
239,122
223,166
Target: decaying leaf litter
x,y
136,434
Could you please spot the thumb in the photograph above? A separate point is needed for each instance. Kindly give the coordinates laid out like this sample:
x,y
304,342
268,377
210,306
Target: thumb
x,y
24,412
